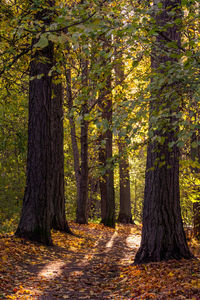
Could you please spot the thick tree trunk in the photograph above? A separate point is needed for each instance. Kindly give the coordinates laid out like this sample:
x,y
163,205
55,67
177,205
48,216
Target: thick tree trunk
x,y
35,222
125,215
59,221
195,156
163,236
82,203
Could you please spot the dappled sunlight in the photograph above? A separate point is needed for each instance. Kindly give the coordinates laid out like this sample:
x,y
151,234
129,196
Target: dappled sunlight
x,y
133,241
96,265
89,256
52,270
111,241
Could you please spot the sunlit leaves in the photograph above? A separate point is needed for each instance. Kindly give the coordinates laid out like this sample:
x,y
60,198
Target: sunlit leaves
x,y
97,261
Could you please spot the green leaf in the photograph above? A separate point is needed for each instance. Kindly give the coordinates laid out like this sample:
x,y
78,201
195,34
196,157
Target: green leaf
x,y
42,43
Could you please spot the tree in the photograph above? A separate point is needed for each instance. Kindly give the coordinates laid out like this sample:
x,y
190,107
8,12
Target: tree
x,y
105,154
58,218
163,236
44,188
81,168
125,215
195,156
82,202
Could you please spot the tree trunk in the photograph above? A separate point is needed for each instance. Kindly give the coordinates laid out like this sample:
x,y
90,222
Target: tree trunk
x,y
110,198
125,215
73,132
195,156
59,221
82,203
107,182
92,199
163,236
35,222
102,181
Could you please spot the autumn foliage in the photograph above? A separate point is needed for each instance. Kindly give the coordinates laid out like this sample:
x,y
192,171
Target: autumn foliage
x,y
95,263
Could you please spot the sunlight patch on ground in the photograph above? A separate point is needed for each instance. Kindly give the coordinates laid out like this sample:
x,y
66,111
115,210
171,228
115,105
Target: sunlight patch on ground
x,y
133,241
89,256
110,242
52,269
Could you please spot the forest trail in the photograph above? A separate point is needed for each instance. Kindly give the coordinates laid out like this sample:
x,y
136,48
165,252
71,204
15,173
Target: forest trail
x,y
94,264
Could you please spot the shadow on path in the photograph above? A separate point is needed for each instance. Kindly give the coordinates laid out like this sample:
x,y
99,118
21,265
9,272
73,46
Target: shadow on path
x,y
75,268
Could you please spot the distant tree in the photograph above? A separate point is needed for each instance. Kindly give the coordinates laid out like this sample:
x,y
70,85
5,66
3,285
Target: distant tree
x,y
59,221
163,236
195,156
105,153
125,215
82,201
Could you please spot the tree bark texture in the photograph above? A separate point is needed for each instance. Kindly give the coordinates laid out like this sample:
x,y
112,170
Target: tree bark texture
x,y
35,222
163,237
59,221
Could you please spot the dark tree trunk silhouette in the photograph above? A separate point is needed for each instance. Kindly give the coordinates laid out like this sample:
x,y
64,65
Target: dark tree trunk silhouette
x,y
195,151
93,203
105,152
80,159
75,149
35,222
195,156
163,236
59,221
125,215
82,201
102,181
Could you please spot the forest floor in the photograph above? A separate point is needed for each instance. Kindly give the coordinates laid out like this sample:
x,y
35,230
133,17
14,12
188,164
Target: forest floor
x,y
94,264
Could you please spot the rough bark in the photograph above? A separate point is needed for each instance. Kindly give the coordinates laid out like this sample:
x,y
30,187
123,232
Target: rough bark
x,y
195,152
163,237
59,221
35,222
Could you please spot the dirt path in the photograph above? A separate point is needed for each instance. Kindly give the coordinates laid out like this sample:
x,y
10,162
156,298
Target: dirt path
x,y
96,265
84,267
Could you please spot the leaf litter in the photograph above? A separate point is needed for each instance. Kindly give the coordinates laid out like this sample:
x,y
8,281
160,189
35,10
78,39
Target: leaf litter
x,y
95,263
